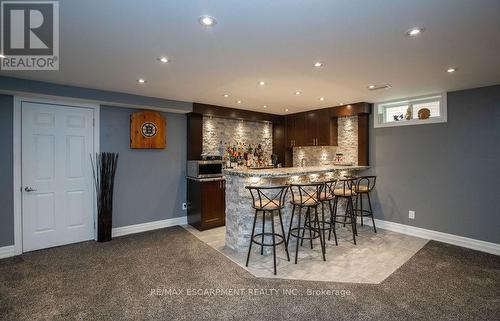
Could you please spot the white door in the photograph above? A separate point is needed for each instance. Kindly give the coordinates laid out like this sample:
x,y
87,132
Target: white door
x,y
57,142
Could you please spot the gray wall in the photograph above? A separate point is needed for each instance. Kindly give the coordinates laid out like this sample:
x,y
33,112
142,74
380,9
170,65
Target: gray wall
x,y
11,84
150,185
448,173
6,173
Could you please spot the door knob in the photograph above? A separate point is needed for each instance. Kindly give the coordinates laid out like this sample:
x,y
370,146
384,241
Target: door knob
x,y
29,189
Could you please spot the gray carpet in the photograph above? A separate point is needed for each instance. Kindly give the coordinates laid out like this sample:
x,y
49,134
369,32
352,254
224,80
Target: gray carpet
x,y
113,281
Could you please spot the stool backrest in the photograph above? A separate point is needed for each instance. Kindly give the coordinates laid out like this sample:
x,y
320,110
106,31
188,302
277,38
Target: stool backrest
x,y
306,193
365,183
268,196
343,186
330,187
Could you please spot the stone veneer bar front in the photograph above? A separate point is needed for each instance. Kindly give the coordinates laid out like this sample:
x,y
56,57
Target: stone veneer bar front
x,y
239,211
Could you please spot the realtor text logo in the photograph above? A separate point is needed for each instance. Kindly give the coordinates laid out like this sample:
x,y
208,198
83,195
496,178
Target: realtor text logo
x,y
30,35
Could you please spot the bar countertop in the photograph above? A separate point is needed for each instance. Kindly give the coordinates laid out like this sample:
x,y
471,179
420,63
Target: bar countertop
x,y
289,171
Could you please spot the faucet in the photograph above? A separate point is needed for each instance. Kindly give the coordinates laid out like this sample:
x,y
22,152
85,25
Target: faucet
x,y
302,162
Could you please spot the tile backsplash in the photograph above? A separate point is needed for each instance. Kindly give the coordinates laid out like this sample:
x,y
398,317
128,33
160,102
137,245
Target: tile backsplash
x,y
232,132
325,155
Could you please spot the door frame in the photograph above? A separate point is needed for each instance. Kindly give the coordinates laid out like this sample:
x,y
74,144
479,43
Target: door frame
x,y
17,161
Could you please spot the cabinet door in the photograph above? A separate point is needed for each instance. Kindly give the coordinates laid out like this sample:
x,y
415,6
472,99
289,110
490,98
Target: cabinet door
x,y
311,128
290,131
214,204
323,128
300,131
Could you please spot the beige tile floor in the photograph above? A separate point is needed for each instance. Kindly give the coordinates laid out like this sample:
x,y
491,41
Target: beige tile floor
x,y
373,259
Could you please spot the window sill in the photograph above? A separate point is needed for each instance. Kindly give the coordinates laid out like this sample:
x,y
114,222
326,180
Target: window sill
x,y
411,122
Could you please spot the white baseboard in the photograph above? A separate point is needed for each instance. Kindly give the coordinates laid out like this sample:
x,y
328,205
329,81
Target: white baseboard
x,y
7,251
474,244
138,228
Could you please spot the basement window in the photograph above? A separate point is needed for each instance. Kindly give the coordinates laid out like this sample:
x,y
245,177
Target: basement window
x,y
427,109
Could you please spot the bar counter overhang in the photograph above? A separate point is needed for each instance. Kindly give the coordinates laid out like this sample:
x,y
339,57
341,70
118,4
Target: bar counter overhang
x,y
239,211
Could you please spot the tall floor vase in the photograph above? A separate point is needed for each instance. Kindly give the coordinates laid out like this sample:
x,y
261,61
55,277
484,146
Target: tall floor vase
x,y
104,170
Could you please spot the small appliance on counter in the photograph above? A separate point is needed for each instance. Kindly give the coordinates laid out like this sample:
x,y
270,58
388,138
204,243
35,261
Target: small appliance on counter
x,y
204,168
340,160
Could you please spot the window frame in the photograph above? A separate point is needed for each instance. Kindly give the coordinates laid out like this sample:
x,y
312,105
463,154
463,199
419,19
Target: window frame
x,y
442,118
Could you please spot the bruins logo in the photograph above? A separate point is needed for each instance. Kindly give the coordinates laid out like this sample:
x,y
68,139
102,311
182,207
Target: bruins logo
x,y
148,130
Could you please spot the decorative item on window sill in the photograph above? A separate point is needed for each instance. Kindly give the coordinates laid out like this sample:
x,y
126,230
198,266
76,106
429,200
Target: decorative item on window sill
x,y
398,117
104,170
409,113
424,113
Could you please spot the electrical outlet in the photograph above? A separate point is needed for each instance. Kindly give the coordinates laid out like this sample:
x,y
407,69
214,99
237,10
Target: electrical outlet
x,y
411,215
184,206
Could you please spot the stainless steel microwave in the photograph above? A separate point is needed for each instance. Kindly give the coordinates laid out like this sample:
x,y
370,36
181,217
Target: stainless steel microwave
x,y
204,168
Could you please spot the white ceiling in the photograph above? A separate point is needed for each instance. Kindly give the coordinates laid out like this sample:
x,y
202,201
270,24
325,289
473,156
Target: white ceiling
x,y
109,44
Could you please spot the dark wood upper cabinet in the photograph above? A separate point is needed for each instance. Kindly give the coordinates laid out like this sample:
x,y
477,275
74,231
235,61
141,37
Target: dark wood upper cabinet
x,y
323,129
194,136
295,130
309,129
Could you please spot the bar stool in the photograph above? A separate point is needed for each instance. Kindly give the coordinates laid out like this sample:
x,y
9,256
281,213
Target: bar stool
x,y
363,185
326,198
343,190
305,196
268,200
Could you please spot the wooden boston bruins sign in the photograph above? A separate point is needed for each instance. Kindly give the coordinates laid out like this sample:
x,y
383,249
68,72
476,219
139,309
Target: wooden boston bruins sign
x,y
148,130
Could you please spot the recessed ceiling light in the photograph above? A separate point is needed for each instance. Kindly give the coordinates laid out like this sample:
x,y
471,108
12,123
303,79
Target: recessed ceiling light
x,y
238,101
141,80
378,87
298,93
2,56
451,70
340,104
265,106
318,64
207,21
163,60
261,83
286,109
225,95
322,98
413,32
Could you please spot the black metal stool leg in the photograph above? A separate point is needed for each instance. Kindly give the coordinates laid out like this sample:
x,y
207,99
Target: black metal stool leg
x,y
263,230
332,224
304,230
251,238
285,240
353,224
361,214
333,218
323,219
290,226
371,212
345,216
298,233
316,221
274,240
311,232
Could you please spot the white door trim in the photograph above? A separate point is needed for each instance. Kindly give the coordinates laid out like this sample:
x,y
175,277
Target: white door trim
x,y
18,233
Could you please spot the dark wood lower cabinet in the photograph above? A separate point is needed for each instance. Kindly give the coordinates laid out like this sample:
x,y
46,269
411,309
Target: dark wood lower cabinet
x,y
206,203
